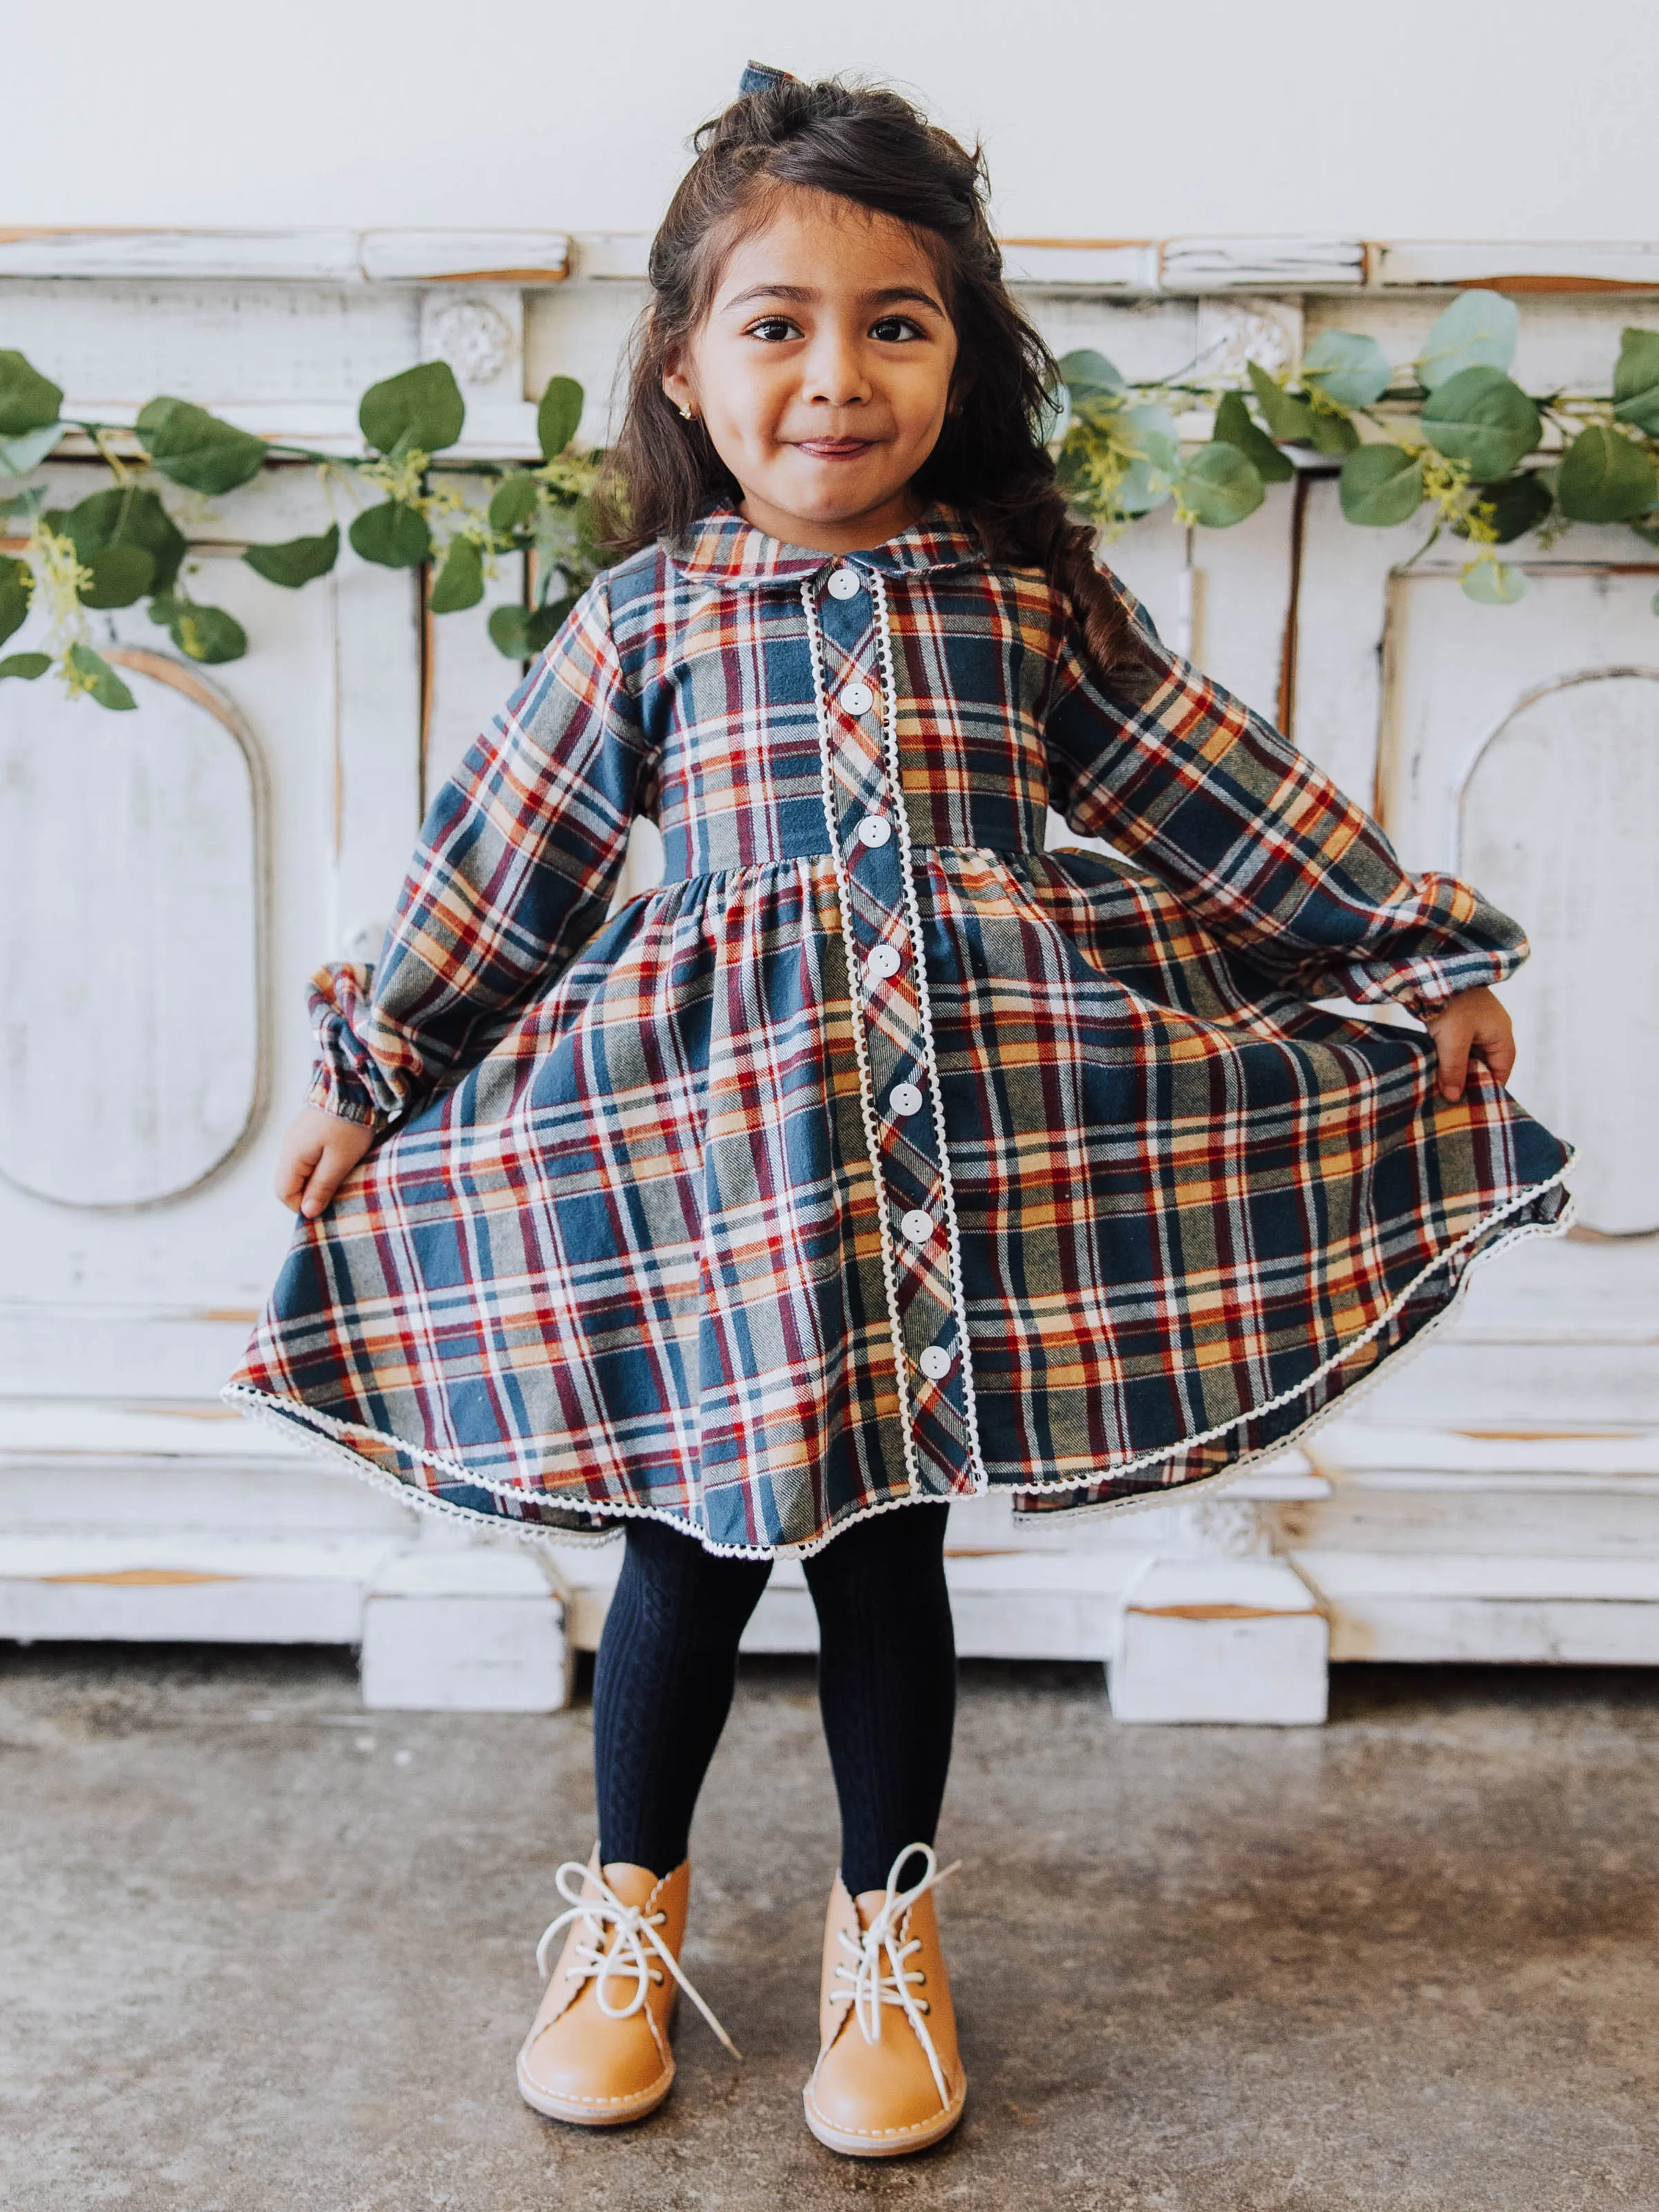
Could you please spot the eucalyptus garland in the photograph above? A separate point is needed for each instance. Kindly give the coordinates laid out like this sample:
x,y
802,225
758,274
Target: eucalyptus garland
x,y
123,544
1450,431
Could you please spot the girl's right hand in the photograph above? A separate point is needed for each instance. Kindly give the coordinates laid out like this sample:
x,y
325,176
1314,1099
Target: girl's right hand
x,y
318,1152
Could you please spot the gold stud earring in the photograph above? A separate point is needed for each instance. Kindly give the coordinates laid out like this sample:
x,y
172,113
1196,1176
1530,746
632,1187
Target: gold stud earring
x,y
686,415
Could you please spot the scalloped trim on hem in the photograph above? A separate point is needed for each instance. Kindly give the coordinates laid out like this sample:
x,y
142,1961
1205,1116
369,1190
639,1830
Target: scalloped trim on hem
x,y
325,1435
1558,1227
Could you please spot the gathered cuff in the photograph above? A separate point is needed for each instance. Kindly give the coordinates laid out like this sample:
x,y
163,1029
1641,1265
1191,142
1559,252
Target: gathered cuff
x,y
339,1094
347,1078
1424,987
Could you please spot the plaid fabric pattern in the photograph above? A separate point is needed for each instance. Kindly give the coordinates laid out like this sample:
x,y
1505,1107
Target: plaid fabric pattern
x,y
877,1153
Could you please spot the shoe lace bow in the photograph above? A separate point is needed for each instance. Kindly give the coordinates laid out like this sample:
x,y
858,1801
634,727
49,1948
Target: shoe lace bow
x,y
871,1985
636,1943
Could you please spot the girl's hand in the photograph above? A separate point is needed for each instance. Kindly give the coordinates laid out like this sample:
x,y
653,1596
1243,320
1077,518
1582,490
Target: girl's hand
x,y
1471,1024
318,1152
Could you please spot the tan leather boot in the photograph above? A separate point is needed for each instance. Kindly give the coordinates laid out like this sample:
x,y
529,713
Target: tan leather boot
x,y
597,2051
889,2077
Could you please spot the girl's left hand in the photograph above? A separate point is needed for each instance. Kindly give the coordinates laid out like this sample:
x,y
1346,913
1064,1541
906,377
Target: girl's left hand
x,y
1471,1024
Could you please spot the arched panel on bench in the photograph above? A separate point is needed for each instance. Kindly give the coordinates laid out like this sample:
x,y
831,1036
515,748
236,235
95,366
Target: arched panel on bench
x,y
134,939
1555,823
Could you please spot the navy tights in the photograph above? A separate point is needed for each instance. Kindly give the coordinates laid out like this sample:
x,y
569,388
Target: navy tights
x,y
887,1683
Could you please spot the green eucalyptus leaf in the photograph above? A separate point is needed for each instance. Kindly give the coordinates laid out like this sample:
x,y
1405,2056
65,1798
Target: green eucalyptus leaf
x,y
1289,420
1636,379
513,504
1140,489
1233,423
506,627
1380,486
1219,485
1087,371
1347,367
392,536
1482,417
422,409
17,588
1150,433
19,455
27,665
523,632
103,684
1478,331
121,574
28,401
459,582
557,417
1332,434
207,634
197,449
1493,584
124,516
297,561
1604,476
1518,504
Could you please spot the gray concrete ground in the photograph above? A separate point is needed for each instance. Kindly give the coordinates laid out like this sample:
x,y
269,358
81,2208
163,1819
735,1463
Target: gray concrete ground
x,y
260,1950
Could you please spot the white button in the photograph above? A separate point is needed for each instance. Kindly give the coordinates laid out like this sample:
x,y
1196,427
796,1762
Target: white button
x,y
935,1362
844,584
904,1098
858,698
883,961
917,1226
875,830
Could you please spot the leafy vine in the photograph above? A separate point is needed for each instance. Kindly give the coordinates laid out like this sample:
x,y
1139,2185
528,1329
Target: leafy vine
x,y
121,543
1450,431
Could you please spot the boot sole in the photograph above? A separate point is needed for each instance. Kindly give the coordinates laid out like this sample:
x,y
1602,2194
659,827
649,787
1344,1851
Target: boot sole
x,y
889,2143
613,2112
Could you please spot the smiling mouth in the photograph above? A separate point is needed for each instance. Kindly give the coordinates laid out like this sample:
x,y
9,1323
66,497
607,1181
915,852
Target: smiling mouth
x,y
834,449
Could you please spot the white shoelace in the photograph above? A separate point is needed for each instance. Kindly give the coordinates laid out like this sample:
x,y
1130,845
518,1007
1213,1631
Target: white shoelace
x,y
636,1939
871,1987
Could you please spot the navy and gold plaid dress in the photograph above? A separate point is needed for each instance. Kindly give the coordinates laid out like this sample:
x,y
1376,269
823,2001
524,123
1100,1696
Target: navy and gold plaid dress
x,y
876,1154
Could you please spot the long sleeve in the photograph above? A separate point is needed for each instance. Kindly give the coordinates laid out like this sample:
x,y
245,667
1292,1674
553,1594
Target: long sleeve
x,y
514,870
1274,859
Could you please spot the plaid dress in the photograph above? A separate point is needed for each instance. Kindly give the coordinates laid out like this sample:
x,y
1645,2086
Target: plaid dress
x,y
877,1155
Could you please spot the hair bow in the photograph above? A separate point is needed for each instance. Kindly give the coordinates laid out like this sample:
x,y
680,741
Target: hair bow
x,y
760,77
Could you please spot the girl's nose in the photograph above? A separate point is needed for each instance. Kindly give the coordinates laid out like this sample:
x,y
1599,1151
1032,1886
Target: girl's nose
x,y
835,375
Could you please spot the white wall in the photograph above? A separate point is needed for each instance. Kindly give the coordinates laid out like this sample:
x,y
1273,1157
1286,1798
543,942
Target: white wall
x,y
1423,118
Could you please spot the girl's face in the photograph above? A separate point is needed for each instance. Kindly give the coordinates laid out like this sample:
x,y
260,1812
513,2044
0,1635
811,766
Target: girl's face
x,y
823,372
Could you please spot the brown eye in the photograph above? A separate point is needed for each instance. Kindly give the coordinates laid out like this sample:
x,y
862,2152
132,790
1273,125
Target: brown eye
x,y
773,329
895,328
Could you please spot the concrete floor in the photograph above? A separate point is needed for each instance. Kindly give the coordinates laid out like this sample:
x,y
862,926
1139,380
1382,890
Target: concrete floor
x,y
260,1951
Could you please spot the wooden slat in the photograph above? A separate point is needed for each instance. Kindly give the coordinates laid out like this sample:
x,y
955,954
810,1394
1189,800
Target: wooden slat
x,y
1521,265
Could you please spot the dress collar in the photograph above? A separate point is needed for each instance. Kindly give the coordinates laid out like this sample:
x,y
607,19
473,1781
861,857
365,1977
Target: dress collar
x,y
720,548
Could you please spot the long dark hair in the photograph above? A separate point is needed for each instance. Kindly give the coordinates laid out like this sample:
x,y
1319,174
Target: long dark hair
x,y
869,145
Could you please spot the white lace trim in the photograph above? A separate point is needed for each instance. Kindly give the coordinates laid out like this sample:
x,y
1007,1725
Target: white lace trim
x,y
918,955
867,1104
1556,1228
322,1433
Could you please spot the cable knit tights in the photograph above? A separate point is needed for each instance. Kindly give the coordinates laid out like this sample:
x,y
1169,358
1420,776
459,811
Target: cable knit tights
x,y
887,1680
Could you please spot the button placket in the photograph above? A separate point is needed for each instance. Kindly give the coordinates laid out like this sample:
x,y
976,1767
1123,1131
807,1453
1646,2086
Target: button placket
x,y
887,999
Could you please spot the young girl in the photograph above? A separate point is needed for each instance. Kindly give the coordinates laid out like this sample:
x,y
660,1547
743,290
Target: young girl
x,y
876,1158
